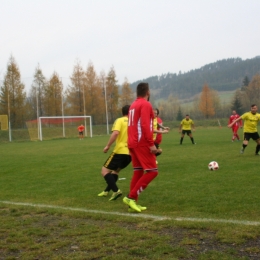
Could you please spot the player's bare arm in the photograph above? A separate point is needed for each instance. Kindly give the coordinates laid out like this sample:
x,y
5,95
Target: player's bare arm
x,y
230,125
112,139
163,127
153,149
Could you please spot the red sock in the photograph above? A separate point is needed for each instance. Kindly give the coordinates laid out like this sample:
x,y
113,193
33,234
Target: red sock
x,y
142,184
136,177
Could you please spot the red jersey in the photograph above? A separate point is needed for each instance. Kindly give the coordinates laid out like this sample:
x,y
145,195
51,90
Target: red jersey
x,y
140,124
81,128
233,118
158,139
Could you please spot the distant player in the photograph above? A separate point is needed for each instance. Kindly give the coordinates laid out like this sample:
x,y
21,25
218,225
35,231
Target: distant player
x,y
81,129
119,158
251,120
185,128
236,126
158,130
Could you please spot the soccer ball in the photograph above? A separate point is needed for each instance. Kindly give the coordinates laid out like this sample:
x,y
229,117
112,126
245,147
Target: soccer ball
x,y
213,166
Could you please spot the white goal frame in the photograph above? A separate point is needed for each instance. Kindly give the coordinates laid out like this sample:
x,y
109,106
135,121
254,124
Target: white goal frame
x,y
63,127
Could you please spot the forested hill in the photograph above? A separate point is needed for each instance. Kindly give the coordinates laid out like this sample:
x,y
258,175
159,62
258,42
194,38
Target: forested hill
x,y
223,75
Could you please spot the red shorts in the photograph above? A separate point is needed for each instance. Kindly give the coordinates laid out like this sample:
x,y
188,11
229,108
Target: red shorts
x,y
235,128
143,158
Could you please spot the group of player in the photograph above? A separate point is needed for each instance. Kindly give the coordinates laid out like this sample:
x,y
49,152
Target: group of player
x,y
251,120
138,134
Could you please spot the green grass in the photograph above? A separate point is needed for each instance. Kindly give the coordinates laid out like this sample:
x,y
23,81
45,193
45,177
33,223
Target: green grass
x,y
66,173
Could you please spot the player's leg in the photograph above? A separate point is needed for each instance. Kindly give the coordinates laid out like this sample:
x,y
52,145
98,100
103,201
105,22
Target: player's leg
x,y
235,134
245,142
182,136
106,171
137,174
191,137
122,161
257,139
147,160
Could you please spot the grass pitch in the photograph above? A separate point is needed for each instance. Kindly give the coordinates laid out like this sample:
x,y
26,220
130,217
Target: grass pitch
x,y
65,173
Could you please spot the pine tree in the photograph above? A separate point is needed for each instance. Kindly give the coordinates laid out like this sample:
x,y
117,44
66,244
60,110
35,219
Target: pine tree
x,y
179,116
236,103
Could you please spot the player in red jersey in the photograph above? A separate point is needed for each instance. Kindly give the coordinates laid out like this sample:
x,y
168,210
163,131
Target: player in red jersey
x,y
236,126
141,146
81,130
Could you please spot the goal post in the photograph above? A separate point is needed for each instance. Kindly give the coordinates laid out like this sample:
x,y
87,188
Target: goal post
x,y
64,121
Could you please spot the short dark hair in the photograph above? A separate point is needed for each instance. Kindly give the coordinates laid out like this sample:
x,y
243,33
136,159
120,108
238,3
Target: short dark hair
x,y
125,110
142,89
187,115
253,105
157,110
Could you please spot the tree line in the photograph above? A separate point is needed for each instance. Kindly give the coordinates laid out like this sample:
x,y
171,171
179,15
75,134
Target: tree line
x,y
222,75
88,94
100,95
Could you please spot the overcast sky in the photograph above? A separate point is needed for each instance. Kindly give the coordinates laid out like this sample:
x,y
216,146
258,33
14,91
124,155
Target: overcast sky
x,y
140,38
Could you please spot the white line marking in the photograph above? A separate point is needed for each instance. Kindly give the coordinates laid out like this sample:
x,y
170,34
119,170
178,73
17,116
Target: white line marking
x,y
138,215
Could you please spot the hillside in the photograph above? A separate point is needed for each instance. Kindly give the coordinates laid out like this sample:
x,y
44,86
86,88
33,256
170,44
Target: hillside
x,y
222,75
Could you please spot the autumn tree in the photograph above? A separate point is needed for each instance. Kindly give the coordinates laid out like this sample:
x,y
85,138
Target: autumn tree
x,y
74,104
52,96
127,95
93,94
206,105
13,95
35,97
112,94
253,90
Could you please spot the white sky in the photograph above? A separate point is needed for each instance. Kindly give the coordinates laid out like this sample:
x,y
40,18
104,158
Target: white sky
x,y
140,38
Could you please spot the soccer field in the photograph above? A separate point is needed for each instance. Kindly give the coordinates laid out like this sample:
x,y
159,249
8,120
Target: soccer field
x,y
61,178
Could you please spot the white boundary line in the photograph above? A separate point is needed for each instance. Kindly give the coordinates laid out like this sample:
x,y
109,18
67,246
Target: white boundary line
x,y
137,215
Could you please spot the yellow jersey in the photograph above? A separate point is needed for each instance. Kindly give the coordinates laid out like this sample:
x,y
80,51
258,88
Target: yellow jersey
x,y
154,127
186,124
250,122
121,125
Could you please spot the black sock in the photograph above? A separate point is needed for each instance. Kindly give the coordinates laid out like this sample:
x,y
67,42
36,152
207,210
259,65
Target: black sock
x,y
181,140
244,146
257,148
115,177
192,140
111,182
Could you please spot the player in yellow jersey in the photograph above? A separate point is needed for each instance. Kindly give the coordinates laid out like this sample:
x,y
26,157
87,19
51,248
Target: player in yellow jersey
x,y
251,120
119,158
185,128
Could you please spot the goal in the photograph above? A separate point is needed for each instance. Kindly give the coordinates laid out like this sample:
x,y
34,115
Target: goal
x,y
51,127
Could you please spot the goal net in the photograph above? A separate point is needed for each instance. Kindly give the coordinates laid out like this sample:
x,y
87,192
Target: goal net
x,y
58,127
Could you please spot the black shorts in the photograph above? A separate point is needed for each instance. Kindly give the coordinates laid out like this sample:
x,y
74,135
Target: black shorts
x,y
117,162
188,132
254,136
81,133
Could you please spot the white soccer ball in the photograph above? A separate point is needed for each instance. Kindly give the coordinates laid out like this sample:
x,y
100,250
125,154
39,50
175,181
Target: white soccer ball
x,y
213,166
